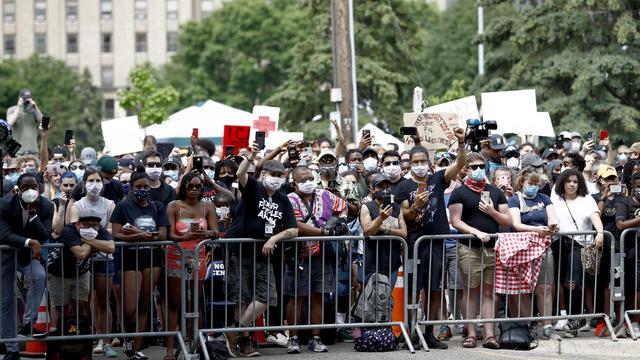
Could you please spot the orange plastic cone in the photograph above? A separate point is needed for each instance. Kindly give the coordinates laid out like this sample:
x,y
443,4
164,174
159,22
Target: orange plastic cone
x,y
397,312
39,348
258,336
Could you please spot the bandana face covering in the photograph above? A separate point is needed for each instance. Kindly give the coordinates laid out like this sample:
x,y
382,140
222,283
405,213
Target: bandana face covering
x,y
477,186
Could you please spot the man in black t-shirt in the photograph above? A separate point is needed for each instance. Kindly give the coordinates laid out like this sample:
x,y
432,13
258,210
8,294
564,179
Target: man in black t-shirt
x,y
476,257
263,213
159,191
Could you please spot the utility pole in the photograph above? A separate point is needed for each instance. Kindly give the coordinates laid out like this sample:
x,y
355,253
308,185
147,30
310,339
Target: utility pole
x,y
481,44
343,49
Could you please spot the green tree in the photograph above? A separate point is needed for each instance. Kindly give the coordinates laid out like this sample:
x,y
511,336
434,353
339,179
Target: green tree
x,y
146,98
580,55
68,98
238,55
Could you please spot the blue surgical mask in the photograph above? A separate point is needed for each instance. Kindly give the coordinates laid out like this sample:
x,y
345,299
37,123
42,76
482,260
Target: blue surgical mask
x,y
173,174
477,175
13,177
530,191
210,173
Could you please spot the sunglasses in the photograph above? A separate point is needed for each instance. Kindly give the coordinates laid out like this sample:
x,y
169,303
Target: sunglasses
x,y
476,167
76,167
194,186
154,164
394,162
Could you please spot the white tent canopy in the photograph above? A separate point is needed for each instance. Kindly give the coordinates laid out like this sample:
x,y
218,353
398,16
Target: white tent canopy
x,y
380,137
209,118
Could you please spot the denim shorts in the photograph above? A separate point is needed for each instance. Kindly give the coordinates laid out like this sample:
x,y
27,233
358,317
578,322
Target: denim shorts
x,y
103,267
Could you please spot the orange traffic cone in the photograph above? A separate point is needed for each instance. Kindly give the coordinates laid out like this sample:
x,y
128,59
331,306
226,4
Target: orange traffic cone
x,y
258,336
39,348
397,312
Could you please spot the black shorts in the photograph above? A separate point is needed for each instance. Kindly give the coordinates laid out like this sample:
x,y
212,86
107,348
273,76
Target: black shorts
x,y
567,260
431,256
141,259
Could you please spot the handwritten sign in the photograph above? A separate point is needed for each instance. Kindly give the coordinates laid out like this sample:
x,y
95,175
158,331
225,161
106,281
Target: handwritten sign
x,y
237,136
434,129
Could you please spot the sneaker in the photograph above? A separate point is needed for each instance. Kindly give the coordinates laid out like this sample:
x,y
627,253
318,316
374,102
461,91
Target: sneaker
x,y
549,333
636,329
345,335
316,345
127,346
232,340
139,356
26,331
444,333
434,343
573,325
98,349
293,347
116,342
563,322
246,347
279,339
108,351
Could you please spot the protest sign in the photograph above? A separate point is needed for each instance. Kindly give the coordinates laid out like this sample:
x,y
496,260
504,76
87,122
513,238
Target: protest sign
x,y
434,129
236,136
266,119
379,137
122,136
509,108
466,108
278,138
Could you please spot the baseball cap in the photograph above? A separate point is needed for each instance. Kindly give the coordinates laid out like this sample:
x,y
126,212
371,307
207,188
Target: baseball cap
x,y
634,148
25,93
59,150
576,134
327,153
530,159
172,160
88,154
607,171
88,213
273,166
369,151
107,164
510,151
379,179
565,135
497,142
549,152
127,164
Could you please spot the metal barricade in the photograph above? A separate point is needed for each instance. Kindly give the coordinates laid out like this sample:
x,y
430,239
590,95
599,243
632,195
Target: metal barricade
x,y
629,266
244,257
78,287
430,258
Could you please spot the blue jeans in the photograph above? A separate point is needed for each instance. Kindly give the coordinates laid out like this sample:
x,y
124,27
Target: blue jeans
x,y
37,276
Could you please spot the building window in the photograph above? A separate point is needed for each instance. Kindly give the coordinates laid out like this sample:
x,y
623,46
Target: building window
x,y
206,7
9,10
106,43
108,110
172,9
40,10
141,42
141,10
72,10
106,10
41,43
9,45
74,68
72,43
107,76
172,41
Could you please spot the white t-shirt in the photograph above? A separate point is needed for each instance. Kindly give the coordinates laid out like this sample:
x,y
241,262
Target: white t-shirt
x,y
581,208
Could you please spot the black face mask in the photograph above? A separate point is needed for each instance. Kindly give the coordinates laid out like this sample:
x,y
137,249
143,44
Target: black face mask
x,y
227,181
383,195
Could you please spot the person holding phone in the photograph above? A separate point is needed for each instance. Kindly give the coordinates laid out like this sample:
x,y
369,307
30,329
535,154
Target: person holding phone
x,y
25,119
139,219
532,211
476,256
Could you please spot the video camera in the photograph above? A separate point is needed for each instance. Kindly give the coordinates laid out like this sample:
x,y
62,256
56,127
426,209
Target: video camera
x,y
6,139
478,130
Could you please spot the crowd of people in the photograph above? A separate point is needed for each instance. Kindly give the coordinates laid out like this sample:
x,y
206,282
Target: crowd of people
x,y
314,188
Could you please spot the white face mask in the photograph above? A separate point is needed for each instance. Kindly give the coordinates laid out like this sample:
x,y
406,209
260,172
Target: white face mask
x,y
420,170
29,196
222,211
576,146
438,168
307,187
370,164
273,183
88,234
392,170
94,188
563,169
154,173
513,163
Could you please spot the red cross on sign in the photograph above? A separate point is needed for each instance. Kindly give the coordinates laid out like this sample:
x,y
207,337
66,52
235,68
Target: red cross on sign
x,y
264,124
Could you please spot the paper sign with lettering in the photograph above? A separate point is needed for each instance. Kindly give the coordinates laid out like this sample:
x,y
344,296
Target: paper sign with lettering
x,y
122,136
237,136
434,129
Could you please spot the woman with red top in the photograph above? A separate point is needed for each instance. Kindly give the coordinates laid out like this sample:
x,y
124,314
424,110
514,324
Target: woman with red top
x,y
192,221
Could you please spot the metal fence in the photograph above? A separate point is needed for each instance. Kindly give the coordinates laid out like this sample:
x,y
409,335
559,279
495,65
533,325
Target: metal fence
x,y
628,271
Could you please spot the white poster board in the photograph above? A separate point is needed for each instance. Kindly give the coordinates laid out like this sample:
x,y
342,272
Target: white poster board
x,y
509,109
277,138
434,129
265,118
122,136
466,108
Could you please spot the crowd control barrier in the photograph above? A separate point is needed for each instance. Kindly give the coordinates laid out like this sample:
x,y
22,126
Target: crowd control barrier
x,y
628,271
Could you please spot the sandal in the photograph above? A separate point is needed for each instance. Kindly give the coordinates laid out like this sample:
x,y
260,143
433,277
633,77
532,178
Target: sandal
x,y
169,357
491,343
469,342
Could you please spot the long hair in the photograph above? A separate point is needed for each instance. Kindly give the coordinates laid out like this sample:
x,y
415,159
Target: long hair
x,y
564,177
182,187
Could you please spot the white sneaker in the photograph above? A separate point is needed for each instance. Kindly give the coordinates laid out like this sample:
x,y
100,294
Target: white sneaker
x,y
98,348
562,323
636,329
280,340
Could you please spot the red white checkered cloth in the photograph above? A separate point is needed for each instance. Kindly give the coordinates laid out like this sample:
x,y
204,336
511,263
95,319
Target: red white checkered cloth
x,y
518,261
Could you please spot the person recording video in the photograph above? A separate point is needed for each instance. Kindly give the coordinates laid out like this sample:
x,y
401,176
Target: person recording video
x,y
25,119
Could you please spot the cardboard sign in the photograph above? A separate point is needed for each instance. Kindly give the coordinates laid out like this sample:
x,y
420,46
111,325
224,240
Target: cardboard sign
x,y
237,136
466,108
434,129
510,109
122,136
266,119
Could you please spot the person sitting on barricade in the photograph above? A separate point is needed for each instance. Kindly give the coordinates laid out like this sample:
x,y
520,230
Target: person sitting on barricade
x,y
263,213
311,270
25,224
532,211
478,208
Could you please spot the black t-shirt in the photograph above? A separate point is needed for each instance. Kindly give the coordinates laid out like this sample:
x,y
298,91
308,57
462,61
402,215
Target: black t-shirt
x,y
627,209
112,191
608,215
434,220
395,185
63,259
149,218
255,210
471,213
163,193
386,249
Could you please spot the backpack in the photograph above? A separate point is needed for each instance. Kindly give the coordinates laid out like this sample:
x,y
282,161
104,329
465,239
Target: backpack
x,y
517,336
374,339
373,303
